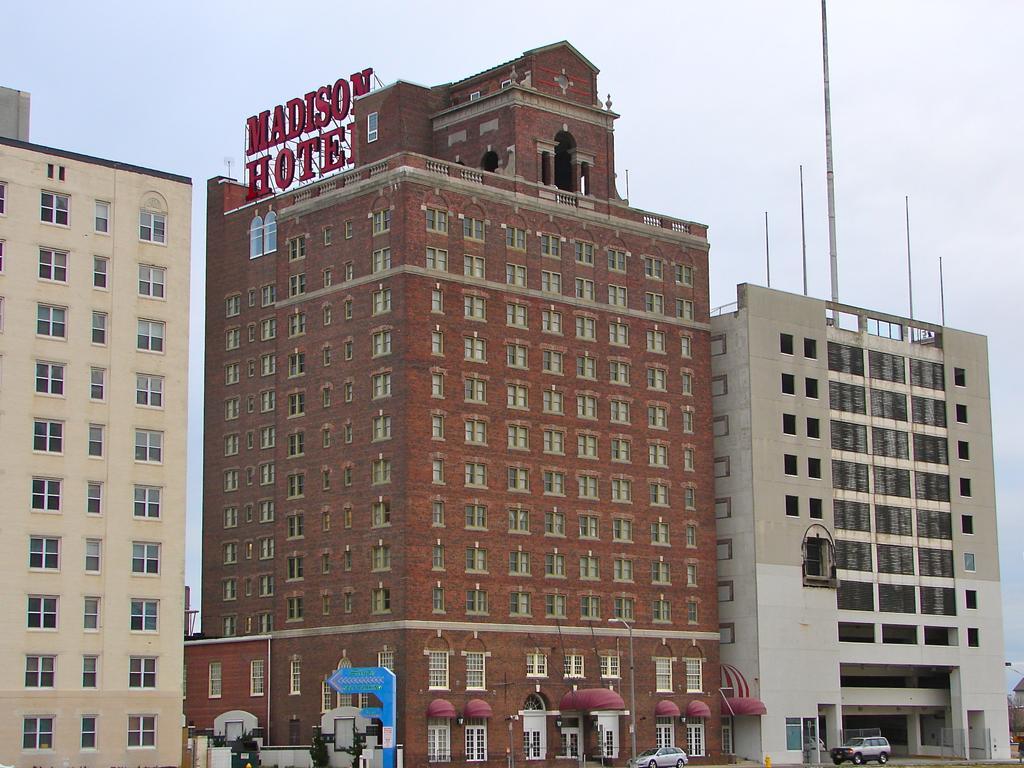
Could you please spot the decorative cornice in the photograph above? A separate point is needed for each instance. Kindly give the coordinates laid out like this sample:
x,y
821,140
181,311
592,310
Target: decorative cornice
x,y
520,96
472,626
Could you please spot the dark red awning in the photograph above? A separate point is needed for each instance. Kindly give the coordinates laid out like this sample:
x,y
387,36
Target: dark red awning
x,y
666,708
590,699
744,705
477,708
698,709
440,708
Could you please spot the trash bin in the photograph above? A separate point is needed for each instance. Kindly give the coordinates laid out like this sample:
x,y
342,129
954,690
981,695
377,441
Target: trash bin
x,y
245,754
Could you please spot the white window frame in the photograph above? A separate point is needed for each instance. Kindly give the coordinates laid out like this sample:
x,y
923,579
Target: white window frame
x,y
152,227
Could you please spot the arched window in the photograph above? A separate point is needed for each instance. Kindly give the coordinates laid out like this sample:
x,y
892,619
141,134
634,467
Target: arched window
x,y
534,703
255,237
270,233
489,162
565,148
344,699
819,558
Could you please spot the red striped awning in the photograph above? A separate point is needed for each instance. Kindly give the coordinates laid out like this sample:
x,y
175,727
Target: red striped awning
x,y
666,708
733,681
698,709
590,699
441,708
738,700
744,705
477,708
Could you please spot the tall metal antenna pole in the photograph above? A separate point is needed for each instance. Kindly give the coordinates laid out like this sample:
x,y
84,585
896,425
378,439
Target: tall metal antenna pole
x,y
803,228
910,276
942,294
829,174
627,184
767,253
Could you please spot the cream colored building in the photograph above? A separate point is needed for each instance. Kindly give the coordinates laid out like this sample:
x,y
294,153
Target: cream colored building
x,y
858,559
94,298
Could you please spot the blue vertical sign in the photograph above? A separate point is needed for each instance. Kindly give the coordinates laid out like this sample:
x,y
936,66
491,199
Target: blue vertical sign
x,y
380,681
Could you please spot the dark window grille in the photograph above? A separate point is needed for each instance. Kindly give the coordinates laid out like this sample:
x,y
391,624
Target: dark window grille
x,y
856,596
888,405
845,359
887,367
934,524
890,442
893,558
924,373
925,410
935,562
848,398
853,555
931,486
891,481
895,520
897,598
849,437
850,476
851,515
938,601
931,449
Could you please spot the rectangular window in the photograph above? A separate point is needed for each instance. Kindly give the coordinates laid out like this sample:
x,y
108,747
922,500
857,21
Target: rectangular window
x,y
37,733
51,321
475,671
48,436
149,445
54,208
39,671
53,266
437,673
551,282
100,272
663,674
152,227
42,612
99,327
142,673
144,615
150,337
152,281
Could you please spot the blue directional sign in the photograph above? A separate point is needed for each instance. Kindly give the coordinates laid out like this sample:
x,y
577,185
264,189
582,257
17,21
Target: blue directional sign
x,y
380,681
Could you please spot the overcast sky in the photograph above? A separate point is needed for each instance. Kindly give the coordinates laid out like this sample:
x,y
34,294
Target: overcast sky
x,y
721,102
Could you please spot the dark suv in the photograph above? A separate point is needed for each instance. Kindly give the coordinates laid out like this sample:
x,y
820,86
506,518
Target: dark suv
x,y
858,751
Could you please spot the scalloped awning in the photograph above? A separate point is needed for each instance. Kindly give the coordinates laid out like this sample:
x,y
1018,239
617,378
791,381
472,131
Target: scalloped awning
x,y
590,699
666,708
698,709
477,708
440,708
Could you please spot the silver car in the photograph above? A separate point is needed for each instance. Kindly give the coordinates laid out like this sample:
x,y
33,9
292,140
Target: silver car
x,y
666,757
860,750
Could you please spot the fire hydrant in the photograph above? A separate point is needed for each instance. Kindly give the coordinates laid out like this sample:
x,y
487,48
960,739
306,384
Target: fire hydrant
x,y
767,761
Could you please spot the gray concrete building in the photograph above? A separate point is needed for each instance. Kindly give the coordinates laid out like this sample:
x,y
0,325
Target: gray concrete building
x,y
857,551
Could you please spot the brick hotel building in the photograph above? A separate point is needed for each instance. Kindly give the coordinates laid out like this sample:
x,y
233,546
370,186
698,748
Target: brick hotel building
x,y
458,424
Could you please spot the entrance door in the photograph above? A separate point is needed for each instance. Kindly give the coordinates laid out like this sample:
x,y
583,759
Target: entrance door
x,y
570,741
664,733
812,748
233,729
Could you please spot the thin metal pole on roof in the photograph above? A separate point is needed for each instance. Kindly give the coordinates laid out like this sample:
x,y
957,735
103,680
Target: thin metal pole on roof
x,y
830,184
942,294
910,275
803,228
767,252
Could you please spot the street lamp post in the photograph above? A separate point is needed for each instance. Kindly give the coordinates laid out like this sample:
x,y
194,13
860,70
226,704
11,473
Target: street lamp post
x,y
632,688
